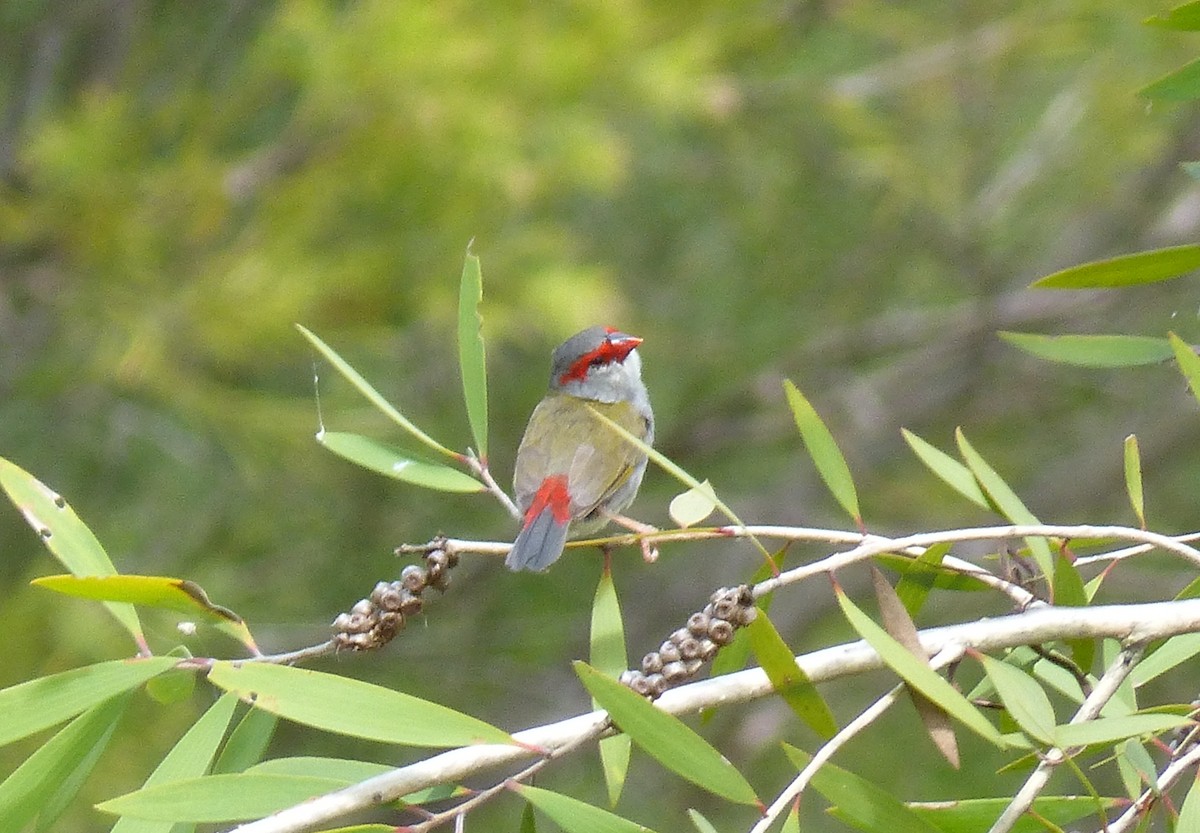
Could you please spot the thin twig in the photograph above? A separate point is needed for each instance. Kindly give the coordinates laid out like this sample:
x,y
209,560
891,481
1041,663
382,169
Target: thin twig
x,y
950,654
1104,691
481,470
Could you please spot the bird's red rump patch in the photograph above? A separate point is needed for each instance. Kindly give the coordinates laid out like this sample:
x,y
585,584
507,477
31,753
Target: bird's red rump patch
x,y
551,494
608,351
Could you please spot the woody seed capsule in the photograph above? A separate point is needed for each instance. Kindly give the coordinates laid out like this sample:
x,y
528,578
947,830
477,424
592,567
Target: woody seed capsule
x,y
652,663
720,632
698,623
669,652
674,672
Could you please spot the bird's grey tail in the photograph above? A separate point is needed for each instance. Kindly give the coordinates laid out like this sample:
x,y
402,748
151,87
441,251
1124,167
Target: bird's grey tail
x,y
539,545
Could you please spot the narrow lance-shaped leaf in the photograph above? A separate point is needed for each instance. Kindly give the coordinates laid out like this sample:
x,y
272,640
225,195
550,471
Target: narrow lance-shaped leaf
x,y
218,798
917,672
666,739
161,592
823,449
1112,729
1126,270
247,742
190,757
1185,17
1182,84
915,584
66,536
575,816
1024,699
953,473
609,657
859,802
1007,501
1093,350
400,465
900,626
34,705
351,707
1133,478
975,814
373,396
49,778
788,678
1070,591
471,357
1188,361
701,824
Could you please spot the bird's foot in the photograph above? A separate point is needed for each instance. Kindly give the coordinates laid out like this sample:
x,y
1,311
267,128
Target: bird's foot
x,y
649,551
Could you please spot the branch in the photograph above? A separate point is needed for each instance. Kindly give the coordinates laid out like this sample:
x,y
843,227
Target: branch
x,y
1128,623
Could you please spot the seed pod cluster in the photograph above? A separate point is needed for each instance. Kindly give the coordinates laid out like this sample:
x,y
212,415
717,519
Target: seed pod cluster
x,y
375,620
681,656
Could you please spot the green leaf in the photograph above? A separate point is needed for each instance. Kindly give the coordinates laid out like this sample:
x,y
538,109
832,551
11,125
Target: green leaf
x,y
823,449
373,396
915,584
666,739
926,574
1189,813
857,801
702,824
1126,270
1185,18
191,757
1093,350
917,673
163,592
788,678
1024,699
45,783
575,816
65,535
34,705
1133,478
471,356
953,473
974,814
691,507
1171,654
791,823
391,462
1007,501
218,798
608,656
351,707
1188,361
247,742
1111,729
1182,84
1070,591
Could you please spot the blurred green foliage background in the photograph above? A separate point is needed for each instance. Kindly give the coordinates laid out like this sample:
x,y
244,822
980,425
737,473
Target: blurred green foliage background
x,y
853,195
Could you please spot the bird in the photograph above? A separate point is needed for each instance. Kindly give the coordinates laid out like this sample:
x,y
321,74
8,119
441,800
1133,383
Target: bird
x,y
573,473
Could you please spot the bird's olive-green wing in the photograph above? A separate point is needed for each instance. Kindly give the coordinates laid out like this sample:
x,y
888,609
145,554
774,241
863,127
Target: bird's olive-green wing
x,y
564,437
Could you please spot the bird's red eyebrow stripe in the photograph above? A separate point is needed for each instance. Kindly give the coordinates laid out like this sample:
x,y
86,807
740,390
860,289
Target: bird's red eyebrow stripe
x,y
608,351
